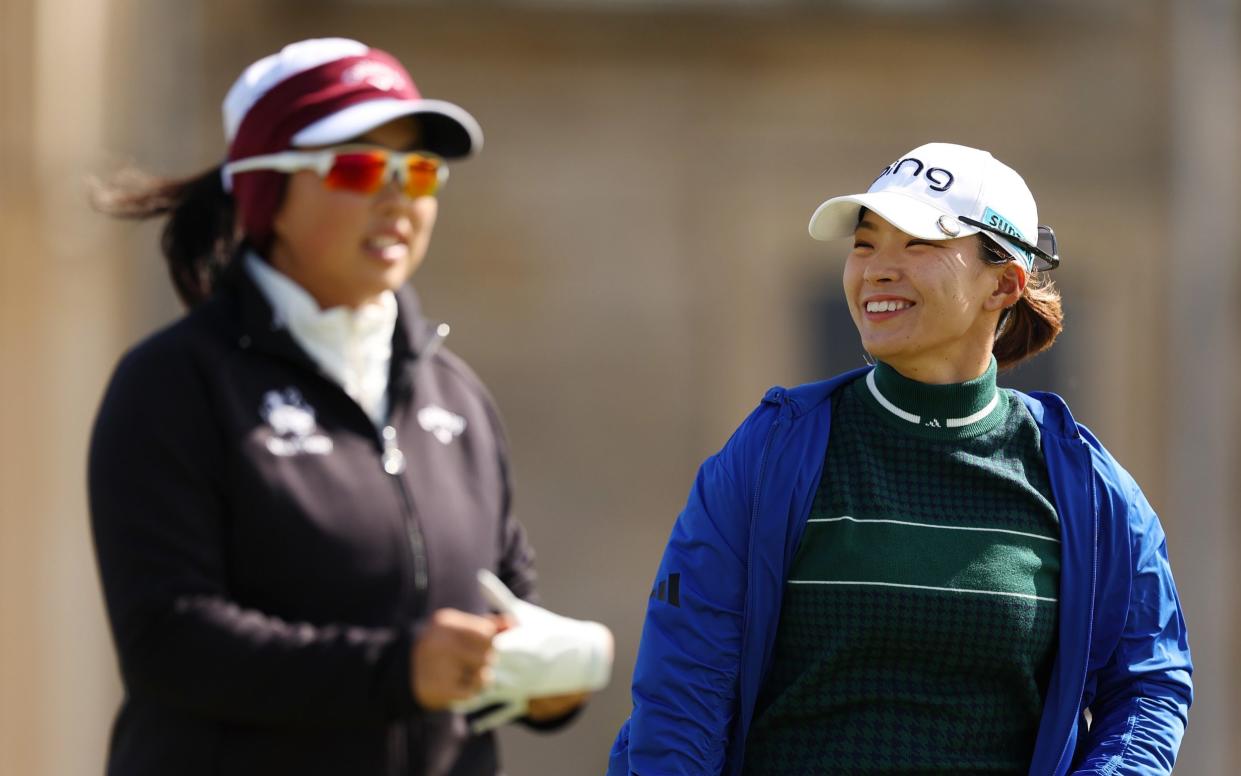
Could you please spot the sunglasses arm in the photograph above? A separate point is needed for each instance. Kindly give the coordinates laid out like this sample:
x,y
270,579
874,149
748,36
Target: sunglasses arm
x,y
285,161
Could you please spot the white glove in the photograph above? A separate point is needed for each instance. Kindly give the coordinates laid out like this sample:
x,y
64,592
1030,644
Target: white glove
x,y
546,653
543,654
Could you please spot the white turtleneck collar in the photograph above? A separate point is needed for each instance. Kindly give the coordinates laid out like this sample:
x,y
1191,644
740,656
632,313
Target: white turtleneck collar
x,y
353,346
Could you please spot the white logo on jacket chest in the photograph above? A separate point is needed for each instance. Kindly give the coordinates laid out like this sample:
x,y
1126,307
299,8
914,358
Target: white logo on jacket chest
x,y
442,424
292,422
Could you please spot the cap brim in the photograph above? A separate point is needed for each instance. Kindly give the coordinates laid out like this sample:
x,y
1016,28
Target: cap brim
x,y
838,217
449,130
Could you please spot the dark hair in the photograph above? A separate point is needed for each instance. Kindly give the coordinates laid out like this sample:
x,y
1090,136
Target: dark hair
x,y
1032,324
198,240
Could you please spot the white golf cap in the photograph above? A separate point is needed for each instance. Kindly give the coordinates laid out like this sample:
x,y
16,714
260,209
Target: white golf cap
x,y
329,90
928,191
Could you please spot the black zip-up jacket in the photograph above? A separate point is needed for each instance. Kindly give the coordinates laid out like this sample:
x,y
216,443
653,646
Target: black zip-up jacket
x,y
268,555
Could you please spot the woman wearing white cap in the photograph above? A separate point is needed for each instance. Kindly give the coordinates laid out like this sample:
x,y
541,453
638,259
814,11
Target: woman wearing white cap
x,y
906,569
295,491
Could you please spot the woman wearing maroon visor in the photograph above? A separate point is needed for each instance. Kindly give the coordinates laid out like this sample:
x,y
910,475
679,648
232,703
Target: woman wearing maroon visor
x,y
295,490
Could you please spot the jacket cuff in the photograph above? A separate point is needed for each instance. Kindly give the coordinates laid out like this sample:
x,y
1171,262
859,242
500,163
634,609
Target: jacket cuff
x,y
399,698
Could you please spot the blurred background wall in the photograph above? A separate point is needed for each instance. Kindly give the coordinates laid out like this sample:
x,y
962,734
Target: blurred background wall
x,y
626,265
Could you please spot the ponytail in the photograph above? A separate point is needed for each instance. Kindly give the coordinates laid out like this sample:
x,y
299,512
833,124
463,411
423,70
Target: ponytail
x,y
1032,324
198,240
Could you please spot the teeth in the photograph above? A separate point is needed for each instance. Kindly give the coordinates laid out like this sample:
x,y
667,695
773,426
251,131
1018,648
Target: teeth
x,y
383,242
886,306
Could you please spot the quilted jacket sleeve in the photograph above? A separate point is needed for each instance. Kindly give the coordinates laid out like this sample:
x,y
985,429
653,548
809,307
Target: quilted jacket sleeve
x,y
1143,694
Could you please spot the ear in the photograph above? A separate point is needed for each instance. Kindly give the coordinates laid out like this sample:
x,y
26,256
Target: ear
x,y
1009,285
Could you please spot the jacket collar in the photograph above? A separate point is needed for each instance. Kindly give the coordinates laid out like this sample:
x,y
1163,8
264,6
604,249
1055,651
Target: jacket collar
x,y
256,328
804,398
1051,413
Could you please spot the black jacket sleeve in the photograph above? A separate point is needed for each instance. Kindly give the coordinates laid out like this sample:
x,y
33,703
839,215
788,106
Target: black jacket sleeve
x,y
516,566
158,513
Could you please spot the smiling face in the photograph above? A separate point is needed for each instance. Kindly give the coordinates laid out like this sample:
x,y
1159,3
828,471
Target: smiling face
x,y
346,248
928,308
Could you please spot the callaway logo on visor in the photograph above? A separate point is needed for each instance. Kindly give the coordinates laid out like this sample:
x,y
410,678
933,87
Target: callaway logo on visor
x,y
376,74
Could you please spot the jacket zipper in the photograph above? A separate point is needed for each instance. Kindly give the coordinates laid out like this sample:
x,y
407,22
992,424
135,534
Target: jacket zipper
x,y
735,766
394,465
1094,586
408,736
393,460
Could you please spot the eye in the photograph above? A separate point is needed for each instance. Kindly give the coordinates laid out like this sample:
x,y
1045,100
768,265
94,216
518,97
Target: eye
x,y
918,242
861,244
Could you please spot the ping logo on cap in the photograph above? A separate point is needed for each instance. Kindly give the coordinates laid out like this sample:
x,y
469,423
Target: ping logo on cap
x,y
377,74
937,178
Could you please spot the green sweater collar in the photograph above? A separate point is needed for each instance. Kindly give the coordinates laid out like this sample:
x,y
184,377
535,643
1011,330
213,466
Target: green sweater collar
x,y
965,408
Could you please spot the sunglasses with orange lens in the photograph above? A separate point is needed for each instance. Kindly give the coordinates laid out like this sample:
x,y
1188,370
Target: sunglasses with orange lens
x,y
358,169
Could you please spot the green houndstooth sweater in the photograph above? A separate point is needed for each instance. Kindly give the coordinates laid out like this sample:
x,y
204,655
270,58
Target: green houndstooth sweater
x,y
919,619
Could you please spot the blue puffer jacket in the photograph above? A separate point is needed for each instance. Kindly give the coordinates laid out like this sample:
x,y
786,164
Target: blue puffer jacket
x,y
1122,651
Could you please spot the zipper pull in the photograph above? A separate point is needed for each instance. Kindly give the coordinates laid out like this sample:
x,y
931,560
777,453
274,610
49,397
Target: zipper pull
x,y
393,458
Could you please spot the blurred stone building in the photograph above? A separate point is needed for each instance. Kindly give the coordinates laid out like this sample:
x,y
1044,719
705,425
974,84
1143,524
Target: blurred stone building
x,y
626,264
